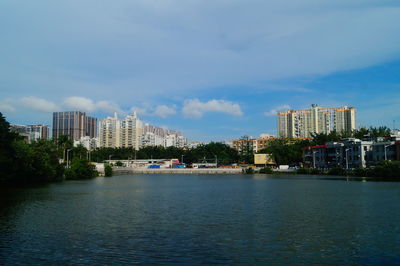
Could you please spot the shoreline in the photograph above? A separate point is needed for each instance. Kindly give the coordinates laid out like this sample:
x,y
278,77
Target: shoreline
x,y
239,171
127,170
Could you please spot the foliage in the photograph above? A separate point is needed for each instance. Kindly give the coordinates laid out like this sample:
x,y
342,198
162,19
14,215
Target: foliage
x,y
80,169
322,138
64,143
266,170
119,163
22,163
315,171
362,172
286,151
79,152
108,171
386,169
302,171
372,132
210,152
337,171
249,171
309,171
290,151
246,154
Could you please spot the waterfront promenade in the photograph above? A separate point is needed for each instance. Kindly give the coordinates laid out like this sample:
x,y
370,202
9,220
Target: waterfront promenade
x,y
130,170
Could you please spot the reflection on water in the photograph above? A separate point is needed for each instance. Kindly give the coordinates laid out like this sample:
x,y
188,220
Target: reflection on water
x,y
201,220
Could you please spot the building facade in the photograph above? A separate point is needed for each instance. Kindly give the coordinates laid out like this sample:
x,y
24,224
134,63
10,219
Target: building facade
x,y
132,132
109,131
305,123
87,142
248,144
352,153
32,132
74,124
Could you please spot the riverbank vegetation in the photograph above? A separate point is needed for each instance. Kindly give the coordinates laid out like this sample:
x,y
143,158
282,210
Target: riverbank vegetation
x,y
80,169
108,171
387,170
39,162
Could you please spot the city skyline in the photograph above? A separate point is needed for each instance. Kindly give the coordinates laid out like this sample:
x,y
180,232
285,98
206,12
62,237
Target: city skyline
x,y
213,71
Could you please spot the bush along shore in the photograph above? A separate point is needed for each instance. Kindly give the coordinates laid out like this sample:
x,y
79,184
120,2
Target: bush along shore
x,y
387,170
41,161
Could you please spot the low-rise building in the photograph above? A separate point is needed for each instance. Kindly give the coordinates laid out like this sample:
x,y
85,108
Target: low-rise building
x,y
87,142
248,144
351,153
263,159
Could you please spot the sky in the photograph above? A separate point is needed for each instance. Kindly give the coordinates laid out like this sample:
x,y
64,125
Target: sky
x,y
215,70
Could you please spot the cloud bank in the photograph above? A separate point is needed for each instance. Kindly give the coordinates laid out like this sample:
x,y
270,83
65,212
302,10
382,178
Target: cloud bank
x,y
194,108
274,111
145,48
88,105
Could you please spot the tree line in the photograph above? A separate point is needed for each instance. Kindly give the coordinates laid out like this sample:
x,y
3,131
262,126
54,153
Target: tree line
x,y
38,162
211,152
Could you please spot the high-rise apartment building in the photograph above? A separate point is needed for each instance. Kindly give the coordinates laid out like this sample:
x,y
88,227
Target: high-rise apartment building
x,y
132,132
304,123
74,124
120,133
344,119
109,129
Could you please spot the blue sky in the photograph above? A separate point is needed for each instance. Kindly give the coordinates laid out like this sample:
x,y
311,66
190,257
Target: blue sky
x,y
216,70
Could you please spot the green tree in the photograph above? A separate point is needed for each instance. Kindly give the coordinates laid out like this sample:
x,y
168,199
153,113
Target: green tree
x,y
79,152
372,132
246,153
22,163
108,171
7,150
286,151
80,169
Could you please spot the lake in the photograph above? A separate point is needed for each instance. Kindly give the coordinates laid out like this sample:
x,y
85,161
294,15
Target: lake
x,y
202,219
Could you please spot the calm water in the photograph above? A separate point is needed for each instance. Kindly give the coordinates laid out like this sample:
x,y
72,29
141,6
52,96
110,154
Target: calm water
x,y
190,219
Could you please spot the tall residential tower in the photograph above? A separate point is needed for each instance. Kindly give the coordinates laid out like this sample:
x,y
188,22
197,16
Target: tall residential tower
x,y
75,124
304,123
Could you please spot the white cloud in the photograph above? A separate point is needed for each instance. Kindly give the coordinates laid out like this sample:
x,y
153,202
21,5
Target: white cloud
x,y
275,110
138,110
164,111
79,103
38,104
195,108
108,106
6,107
209,45
88,105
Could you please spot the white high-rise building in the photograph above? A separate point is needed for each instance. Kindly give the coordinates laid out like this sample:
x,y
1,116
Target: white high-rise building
x,y
151,139
132,132
120,133
344,119
170,140
305,123
109,132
